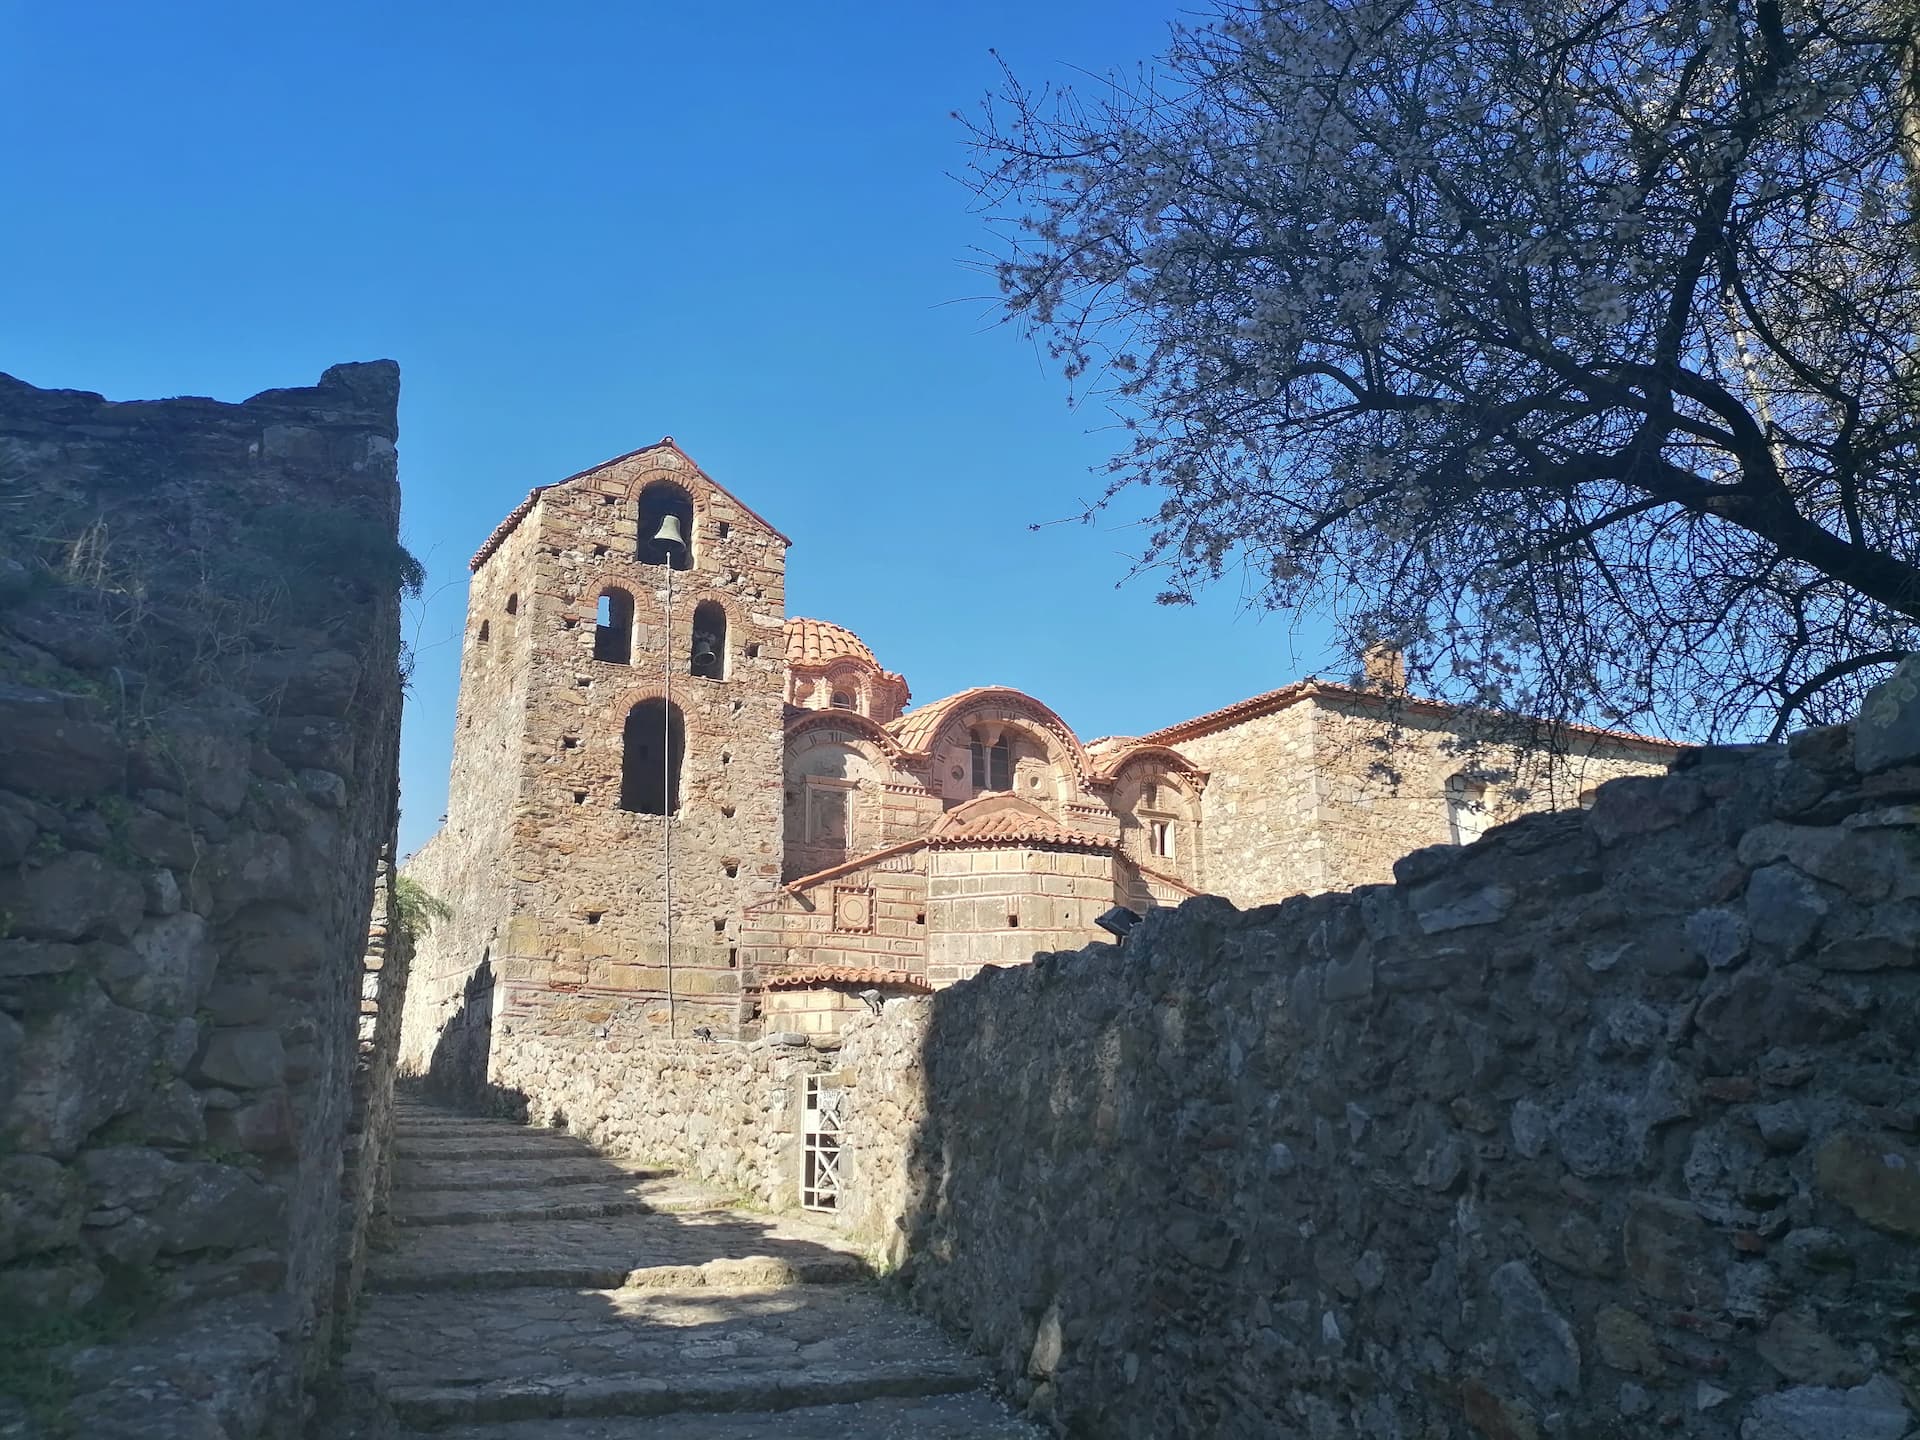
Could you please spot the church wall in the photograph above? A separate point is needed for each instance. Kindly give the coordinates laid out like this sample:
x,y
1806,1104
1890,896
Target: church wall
x,y
450,996
1257,815
1380,785
1051,898
874,917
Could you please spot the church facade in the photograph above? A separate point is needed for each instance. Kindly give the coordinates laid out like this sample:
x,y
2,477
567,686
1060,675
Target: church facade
x,y
674,806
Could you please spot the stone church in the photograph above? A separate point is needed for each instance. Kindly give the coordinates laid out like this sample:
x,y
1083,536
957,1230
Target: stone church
x,y
675,806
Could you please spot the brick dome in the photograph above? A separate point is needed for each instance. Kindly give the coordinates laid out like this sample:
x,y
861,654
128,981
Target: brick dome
x,y
815,642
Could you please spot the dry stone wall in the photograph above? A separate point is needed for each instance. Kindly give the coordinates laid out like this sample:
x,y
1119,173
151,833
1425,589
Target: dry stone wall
x,y
1607,1125
199,711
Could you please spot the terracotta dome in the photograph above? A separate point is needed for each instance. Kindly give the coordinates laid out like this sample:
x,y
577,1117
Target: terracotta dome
x,y
815,642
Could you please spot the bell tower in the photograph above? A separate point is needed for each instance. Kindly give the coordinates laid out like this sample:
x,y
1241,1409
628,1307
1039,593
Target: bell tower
x,y
616,793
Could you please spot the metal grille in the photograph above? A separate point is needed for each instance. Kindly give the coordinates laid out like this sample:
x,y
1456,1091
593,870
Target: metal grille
x,y
820,1157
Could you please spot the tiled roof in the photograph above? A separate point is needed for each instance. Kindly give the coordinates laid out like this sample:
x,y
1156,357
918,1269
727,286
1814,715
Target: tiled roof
x,y
842,975
1255,706
525,508
915,730
816,642
1019,827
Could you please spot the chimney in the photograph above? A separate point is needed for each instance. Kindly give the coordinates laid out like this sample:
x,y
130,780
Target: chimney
x,y
1384,668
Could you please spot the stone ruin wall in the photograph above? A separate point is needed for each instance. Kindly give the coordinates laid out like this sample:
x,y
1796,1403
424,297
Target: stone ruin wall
x,y
1605,1126
199,713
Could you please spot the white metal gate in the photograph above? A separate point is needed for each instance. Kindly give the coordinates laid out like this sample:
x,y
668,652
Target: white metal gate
x,y
820,1154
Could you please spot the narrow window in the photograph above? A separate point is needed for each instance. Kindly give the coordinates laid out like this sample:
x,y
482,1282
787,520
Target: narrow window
x,y
842,700
709,657
1466,809
654,746
484,632
827,818
513,604
1160,838
992,765
658,502
613,627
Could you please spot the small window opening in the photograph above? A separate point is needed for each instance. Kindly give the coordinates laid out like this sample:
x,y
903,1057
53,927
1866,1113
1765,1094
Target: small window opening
x,y
726,812
572,622
921,918
719,926
659,500
653,752
736,707
733,957
581,682
709,656
609,499
569,742
753,651
593,916
726,757
579,797
724,529
481,638
992,765
613,627
1466,809
732,867
599,552
842,700
513,604
1013,921
1160,839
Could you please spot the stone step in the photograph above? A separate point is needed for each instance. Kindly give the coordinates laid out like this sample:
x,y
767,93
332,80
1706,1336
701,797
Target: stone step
x,y
545,1353
970,1416
633,1395
516,1172
668,1195
646,1250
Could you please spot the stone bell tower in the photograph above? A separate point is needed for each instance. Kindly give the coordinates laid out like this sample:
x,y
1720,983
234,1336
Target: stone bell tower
x,y
616,789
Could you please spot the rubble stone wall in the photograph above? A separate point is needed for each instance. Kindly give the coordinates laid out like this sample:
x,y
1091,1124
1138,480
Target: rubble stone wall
x,y
1607,1125
727,1111
199,714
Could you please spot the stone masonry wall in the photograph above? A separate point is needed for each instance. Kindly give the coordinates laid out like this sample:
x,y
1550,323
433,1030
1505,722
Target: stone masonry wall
x,y
1328,792
726,1111
1607,1125
199,712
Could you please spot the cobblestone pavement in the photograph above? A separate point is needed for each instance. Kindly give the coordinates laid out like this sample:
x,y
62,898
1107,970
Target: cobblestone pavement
x,y
537,1291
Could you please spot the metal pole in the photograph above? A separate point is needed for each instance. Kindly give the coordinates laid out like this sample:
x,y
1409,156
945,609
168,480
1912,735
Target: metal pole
x,y
667,798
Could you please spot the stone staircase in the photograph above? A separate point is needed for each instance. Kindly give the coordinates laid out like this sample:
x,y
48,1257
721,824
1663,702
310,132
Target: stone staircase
x,y
540,1291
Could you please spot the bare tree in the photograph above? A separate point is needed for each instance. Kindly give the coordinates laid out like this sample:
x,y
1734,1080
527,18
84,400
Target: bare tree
x,y
1569,344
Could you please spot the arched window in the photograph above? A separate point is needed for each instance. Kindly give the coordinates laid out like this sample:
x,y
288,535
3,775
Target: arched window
x,y
659,500
653,748
1466,809
842,700
709,655
613,627
992,763
510,621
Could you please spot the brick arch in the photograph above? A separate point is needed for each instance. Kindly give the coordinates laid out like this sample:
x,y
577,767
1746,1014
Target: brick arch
x,y
924,728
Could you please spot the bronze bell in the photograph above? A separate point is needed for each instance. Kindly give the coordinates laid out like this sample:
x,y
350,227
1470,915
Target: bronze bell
x,y
669,532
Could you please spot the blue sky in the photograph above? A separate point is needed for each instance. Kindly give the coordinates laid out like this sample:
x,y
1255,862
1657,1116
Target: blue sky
x,y
579,227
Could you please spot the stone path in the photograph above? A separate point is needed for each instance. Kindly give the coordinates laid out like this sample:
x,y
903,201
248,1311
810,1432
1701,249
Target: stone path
x,y
540,1291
